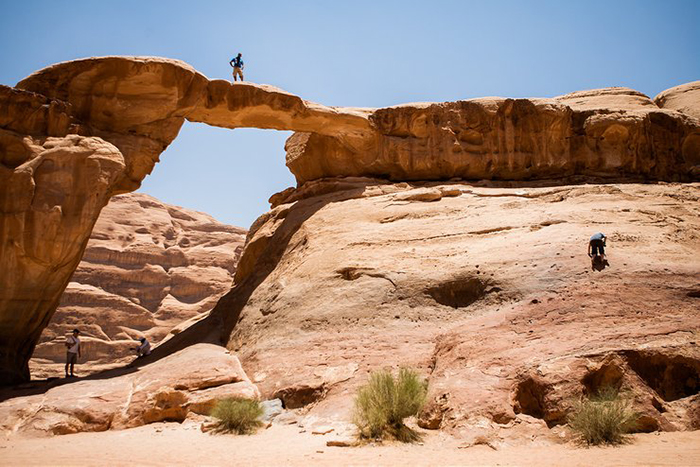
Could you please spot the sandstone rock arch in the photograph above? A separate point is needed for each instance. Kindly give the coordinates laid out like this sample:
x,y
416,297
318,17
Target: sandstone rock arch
x,y
76,133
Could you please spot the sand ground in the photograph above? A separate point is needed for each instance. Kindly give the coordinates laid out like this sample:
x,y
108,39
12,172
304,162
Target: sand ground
x,y
165,444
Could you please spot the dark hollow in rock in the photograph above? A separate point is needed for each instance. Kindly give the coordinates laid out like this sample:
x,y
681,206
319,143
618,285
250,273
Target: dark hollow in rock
x,y
609,375
673,377
459,293
294,397
658,405
350,274
694,293
529,398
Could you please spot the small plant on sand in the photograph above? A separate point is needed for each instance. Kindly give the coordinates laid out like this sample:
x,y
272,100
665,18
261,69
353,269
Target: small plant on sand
x,y
604,418
384,402
237,415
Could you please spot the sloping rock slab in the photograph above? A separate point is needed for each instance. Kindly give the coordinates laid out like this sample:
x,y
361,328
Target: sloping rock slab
x,y
188,381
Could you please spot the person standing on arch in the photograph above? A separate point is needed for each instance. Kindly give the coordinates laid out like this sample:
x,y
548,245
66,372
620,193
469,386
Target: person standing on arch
x,y
238,65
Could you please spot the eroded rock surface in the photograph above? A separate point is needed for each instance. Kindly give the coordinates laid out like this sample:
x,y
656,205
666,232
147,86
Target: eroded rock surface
x,y
52,188
140,103
148,268
486,289
76,133
168,390
684,98
609,133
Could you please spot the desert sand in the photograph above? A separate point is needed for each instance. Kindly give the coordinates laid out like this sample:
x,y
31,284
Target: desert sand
x,y
166,444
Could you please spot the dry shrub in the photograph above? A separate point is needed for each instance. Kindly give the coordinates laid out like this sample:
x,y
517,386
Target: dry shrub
x,y
385,402
237,415
604,418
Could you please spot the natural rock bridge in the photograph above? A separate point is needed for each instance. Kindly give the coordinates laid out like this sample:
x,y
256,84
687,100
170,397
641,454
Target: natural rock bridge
x,y
76,133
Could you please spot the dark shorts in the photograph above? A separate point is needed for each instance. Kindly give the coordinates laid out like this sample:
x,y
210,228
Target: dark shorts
x,y
597,247
71,358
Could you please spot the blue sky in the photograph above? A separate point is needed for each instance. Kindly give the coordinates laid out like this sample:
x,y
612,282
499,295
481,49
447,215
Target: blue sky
x,y
354,53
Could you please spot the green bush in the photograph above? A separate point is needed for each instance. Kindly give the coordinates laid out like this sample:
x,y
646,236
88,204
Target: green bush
x,y
237,415
384,402
604,418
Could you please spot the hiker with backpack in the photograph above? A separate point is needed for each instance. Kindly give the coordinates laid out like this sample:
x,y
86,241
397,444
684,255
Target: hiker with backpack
x,y
238,65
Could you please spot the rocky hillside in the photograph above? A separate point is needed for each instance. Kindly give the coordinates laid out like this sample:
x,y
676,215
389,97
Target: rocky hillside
x,y
450,237
486,288
77,133
148,268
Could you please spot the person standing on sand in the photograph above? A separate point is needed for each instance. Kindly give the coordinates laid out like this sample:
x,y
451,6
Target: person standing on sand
x,y
73,351
238,65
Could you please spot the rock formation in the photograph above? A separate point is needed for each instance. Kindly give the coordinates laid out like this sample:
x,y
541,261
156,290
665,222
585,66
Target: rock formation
x,y
613,132
684,98
148,268
189,381
76,133
485,288
52,188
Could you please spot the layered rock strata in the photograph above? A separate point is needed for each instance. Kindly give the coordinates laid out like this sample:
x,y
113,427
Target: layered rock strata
x,y
148,268
76,133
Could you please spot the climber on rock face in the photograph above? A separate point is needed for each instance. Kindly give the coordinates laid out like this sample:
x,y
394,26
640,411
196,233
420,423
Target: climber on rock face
x,y
237,64
596,249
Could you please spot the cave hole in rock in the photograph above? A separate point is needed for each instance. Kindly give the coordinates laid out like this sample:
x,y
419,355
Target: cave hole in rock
x,y
609,375
530,398
673,377
460,292
228,174
295,397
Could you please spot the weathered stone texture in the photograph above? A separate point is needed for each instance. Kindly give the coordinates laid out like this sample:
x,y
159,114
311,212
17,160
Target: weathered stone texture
x,y
76,133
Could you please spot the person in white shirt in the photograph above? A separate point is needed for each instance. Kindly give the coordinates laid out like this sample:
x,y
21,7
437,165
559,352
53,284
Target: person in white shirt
x,y
143,349
73,351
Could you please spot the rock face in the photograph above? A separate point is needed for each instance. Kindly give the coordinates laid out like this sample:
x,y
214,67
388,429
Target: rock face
x,y
186,382
613,132
140,103
684,98
148,267
76,133
485,288
52,189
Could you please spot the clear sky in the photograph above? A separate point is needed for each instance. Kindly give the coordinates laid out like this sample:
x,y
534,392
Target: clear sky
x,y
353,53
